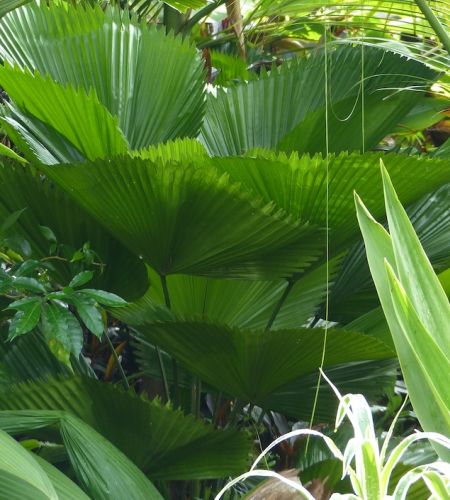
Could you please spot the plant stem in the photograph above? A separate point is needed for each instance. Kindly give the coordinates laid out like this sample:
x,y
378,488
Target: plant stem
x,y
207,9
174,363
280,303
126,385
161,368
163,374
439,29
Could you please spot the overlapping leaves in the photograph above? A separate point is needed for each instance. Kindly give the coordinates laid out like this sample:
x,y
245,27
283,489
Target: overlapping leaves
x,y
251,364
415,306
162,442
45,205
147,86
286,109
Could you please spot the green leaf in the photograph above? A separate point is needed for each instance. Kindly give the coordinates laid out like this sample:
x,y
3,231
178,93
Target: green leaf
x,y
123,272
25,319
374,379
184,5
49,235
286,109
415,272
9,5
429,357
62,331
400,311
20,475
245,304
65,108
5,151
81,279
354,293
164,443
249,364
24,304
64,487
29,358
301,185
105,298
103,470
88,312
28,284
189,219
121,53
11,219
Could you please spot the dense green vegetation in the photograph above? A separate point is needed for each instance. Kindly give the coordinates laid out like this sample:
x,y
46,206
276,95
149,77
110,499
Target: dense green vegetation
x,y
183,269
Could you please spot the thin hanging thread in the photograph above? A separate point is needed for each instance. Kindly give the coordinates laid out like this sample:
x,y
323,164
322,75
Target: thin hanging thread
x,y
327,252
363,97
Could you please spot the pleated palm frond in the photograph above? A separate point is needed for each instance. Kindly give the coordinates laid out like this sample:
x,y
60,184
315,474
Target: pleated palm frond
x,y
161,441
374,379
400,25
28,358
301,185
238,217
241,303
147,86
286,109
26,476
190,219
103,471
47,205
252,364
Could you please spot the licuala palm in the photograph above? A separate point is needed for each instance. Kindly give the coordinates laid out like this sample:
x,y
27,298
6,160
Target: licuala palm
x,y
214,195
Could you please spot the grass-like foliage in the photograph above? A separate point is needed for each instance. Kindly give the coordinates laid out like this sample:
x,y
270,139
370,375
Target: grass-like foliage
x,y
368,466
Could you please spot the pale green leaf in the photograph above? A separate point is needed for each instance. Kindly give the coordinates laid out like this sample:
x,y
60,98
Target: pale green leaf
x,y
415,272
20,474
76,114
81,279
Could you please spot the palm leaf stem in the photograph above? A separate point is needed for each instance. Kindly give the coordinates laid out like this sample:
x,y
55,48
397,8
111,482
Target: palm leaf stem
x,y
174,362
438,28
279,305
161,369
126,385
198,16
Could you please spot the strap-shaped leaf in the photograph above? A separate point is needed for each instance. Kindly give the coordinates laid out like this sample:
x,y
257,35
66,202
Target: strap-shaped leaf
x,y
189,219
47,205
75,114
251,364
153,83
286,108
354,293
163,442
423,376
415,272
103,470
20,475
65,488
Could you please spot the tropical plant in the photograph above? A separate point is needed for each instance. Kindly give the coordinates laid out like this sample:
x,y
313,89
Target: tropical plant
x,y
373,467
225,219
416,308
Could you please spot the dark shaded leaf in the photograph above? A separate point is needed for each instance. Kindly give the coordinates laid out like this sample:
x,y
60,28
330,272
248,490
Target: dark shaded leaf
x,y
163,442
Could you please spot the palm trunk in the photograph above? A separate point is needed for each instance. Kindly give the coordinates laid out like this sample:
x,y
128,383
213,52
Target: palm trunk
x,y
235,15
